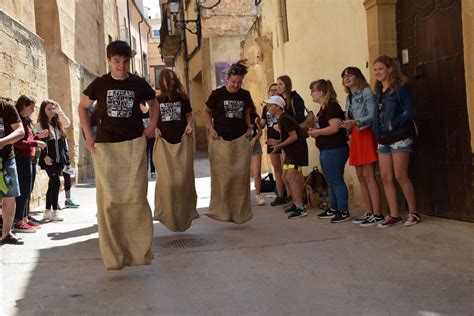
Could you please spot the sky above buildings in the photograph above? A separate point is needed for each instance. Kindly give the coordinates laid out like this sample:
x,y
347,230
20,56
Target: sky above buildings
x,y
153,6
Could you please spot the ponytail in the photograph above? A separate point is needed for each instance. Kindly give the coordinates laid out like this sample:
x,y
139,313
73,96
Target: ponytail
x,y
326,87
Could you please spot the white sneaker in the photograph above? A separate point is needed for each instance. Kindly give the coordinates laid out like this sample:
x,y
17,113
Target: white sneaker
x,y
56,217
260,200
47,215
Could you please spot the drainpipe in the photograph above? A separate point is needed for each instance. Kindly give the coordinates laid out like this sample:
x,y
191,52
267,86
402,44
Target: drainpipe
x,y
140,39
279,31
128,20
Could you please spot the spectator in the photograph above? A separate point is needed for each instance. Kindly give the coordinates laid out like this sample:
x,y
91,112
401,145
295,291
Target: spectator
x,y
392,126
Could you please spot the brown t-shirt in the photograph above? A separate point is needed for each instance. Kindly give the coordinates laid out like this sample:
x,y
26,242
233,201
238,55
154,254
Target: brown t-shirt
x,y
331,111
172,122
118,103
297,152
8,116
228,112
271,120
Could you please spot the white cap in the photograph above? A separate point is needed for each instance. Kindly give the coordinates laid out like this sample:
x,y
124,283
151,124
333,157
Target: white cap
x,y
277,100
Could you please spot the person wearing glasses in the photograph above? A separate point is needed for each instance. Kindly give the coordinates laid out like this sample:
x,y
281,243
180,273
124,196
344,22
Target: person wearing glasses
x,y
331,141
227,117
360,108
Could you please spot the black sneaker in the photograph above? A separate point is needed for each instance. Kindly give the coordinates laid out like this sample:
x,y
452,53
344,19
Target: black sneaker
x,y
34,220
278,201
329,213
341,217
291,209
12,240
298,213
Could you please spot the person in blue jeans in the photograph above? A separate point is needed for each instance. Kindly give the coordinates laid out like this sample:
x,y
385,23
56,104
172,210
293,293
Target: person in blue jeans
x,y
331,141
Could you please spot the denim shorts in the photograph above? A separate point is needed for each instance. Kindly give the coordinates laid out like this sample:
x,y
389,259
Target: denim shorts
x,y
404,145
11,179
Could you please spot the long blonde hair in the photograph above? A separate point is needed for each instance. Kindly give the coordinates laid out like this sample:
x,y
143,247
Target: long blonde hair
x,y
326,87
395,77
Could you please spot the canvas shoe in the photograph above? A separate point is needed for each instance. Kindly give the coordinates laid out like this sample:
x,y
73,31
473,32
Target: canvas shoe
x,y
259,199
56,216
372,220
413,219
362,218
47,215
22,227
389,221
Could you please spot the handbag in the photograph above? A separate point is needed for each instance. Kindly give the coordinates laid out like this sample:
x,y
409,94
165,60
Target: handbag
x,y
308,120
268,183
314,186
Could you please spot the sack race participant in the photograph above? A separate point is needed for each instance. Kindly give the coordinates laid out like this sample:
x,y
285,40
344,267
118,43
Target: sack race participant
x,y
227,115
173,156
119,154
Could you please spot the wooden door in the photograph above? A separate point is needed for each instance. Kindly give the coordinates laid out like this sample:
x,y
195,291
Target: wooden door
x,y
430,49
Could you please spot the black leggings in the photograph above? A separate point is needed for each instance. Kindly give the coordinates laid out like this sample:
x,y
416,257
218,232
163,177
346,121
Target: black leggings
x,y
67,181
25,179
150,143
54,184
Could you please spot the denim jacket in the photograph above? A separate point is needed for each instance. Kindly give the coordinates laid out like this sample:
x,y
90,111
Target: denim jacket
x,y
360,105
398,109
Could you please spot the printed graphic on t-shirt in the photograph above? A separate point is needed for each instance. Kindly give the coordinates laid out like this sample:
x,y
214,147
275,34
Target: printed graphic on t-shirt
x,y
120,103
234,108
271,120
170,111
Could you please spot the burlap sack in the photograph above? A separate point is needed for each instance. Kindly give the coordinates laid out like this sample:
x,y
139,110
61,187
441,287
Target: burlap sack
x,y
123,212
230,180
175,193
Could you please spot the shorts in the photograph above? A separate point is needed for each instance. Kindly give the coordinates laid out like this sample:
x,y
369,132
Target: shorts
x,y
404,145
257,148
11,179
290,166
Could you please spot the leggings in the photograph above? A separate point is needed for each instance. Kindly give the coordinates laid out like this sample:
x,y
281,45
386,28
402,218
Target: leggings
x,y
25,179
52,196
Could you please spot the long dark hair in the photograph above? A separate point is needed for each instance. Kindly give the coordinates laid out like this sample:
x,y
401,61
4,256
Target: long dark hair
x,y
24,101
176,91
361,81
44,121
288,87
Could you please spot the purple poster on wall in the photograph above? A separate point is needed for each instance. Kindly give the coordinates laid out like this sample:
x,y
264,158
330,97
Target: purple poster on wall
x,y
221,73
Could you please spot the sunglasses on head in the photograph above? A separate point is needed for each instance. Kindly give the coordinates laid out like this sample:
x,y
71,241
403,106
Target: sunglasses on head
x,y
236,71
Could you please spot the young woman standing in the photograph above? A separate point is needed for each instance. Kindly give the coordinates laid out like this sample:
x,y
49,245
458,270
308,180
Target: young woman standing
x,y
392,126
53,158
24,154
360,108
334,152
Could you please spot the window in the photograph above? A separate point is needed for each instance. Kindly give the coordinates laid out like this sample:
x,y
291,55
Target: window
x,y
157,71
156,33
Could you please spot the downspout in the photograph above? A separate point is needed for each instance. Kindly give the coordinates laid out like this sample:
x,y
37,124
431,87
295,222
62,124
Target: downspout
x,y
140,39
279,34
128,21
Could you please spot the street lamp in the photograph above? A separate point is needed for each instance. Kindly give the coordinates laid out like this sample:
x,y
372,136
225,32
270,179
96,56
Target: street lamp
x,y
192,26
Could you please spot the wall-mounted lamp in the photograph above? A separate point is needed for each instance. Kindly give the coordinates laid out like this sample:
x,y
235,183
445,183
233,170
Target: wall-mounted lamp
x,y
192,26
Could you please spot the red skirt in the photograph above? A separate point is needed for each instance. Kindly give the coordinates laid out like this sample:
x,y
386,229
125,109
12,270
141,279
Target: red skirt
x,y
363,147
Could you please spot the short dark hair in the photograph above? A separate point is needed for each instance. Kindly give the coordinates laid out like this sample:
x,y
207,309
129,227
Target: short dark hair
x,y
119,48
237,69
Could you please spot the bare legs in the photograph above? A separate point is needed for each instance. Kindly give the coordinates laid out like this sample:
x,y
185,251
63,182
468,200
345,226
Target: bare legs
x,y
369,188
396,166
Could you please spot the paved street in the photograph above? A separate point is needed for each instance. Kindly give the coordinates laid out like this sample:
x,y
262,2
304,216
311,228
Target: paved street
x,y
269,266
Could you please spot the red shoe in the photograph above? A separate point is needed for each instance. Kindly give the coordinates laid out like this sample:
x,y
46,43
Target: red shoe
x,y
33,224
389,221
23,228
